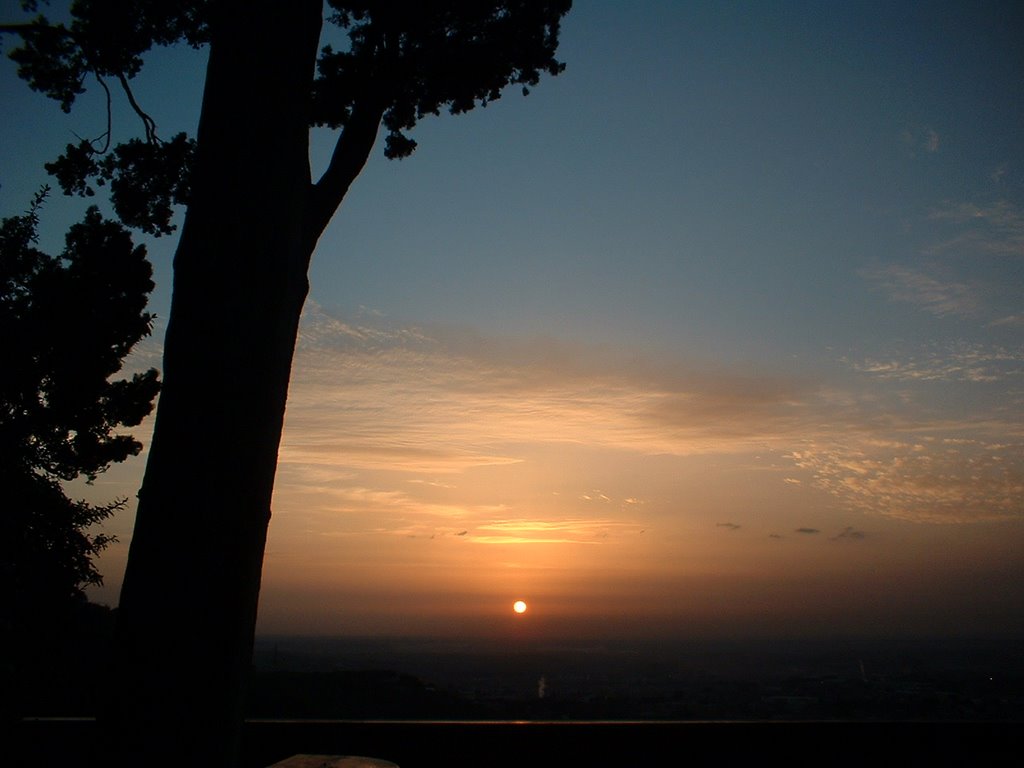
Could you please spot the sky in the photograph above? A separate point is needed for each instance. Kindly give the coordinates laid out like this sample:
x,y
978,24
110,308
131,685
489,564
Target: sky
x,y
718,333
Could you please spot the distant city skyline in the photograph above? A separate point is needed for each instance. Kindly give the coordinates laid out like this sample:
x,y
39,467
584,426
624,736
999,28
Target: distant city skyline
x,y
720,332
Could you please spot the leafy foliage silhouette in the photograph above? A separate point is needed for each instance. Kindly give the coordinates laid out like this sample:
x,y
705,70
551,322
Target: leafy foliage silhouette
x,y
254,215
67,323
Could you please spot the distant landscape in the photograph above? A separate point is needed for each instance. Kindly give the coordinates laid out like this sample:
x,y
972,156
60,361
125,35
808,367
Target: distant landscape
x,y
886,679
952,701
873,679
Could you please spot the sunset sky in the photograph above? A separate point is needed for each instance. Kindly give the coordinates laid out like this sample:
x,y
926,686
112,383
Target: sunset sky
x,y
719,332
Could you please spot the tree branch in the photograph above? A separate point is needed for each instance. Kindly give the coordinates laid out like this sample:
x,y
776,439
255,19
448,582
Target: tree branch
x,y
349,157
106,135
147,121
16,29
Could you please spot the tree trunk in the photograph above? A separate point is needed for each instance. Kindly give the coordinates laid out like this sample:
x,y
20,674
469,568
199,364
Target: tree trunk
x,y
188,605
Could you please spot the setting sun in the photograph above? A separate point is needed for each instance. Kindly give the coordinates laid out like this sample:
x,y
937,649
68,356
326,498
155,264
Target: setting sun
x,y
519,606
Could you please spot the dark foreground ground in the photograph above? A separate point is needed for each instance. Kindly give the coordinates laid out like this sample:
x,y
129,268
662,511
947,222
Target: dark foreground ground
x,y
536,744
912,702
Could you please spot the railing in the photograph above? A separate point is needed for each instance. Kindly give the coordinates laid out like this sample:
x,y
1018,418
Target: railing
x,y
533,744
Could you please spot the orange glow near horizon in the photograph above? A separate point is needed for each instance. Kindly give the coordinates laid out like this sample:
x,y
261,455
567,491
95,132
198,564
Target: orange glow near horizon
x,y
418,487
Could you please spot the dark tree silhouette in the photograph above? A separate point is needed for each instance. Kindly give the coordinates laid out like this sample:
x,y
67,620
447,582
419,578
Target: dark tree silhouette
x,y
66,324
254,215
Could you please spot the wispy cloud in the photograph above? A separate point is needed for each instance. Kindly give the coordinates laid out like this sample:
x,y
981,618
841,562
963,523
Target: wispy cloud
x,y
850,534
390,423
955,361
572,531
971,265
938,480
1009,320
368,398
995,229
918,138
930,292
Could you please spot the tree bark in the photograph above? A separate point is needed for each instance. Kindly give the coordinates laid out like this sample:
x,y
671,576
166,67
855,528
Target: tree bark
x,y
188,605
